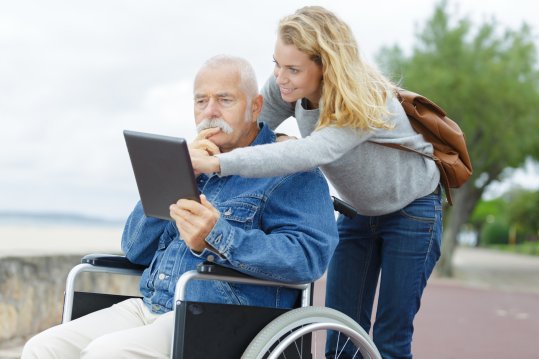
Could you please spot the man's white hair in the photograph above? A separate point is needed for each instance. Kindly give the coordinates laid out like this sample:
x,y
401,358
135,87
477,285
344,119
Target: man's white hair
x,y
247,73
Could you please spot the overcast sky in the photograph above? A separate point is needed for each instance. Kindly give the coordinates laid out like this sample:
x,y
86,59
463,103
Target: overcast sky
x,y
74,74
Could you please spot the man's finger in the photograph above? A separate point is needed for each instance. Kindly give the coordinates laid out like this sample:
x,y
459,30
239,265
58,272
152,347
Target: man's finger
x,y
212,148
204,134
184,218
192,206
190,224
207,204
198,152
206,145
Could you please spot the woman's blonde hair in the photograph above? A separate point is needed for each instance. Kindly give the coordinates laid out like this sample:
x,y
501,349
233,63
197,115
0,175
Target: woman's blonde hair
x,y
354,93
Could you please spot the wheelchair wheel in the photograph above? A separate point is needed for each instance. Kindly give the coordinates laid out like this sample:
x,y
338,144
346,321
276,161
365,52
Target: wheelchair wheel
x,y
289,331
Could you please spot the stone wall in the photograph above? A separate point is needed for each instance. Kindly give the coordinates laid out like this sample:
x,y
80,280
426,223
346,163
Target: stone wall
x,y
32,290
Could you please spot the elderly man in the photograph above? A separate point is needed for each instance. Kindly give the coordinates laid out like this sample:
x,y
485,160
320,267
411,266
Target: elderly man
x,y
279,228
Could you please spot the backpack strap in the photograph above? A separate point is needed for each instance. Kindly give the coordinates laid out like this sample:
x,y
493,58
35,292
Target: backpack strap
x,y
404,148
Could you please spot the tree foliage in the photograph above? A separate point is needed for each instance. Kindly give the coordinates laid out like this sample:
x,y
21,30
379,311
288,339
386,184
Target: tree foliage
x,y
486,210
523,212
486,78
517,209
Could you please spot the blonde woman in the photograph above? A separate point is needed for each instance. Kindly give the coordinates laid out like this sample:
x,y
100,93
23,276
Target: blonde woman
x,y
344,108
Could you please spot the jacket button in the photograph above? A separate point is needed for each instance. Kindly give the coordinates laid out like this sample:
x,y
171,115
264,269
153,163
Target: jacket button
x,y
162,276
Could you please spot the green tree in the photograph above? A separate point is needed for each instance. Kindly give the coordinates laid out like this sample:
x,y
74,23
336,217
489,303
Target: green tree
x,y
486,78
524,212
487,212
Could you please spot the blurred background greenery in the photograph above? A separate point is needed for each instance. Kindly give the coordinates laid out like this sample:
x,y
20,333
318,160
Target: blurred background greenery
x,y
509,222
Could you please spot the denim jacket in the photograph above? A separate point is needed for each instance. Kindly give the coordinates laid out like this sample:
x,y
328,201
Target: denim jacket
x,y
278,228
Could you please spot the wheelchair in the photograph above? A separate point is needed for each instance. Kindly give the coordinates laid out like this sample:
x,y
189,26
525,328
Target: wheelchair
x,y
237,331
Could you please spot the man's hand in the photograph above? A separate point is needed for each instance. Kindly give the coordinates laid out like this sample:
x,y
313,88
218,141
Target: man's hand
x,y
194,221
201,142
202,150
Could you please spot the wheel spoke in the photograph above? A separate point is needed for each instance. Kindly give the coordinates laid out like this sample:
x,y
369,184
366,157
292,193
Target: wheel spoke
x,y
342,348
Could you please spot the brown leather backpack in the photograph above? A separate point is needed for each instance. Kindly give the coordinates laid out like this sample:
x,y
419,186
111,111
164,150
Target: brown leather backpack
x,y
450,152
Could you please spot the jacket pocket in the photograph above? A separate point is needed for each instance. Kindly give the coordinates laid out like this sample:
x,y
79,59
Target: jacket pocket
x,y
239,214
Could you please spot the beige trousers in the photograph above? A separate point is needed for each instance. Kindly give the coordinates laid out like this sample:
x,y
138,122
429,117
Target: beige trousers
x,y
125,330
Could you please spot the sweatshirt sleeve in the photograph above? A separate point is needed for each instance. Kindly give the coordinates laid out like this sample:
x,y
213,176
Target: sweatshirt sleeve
x,y
281,158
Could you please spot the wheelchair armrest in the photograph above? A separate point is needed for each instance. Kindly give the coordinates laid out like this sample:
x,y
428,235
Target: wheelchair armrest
x,y
218,270
96,263
110,261
212,271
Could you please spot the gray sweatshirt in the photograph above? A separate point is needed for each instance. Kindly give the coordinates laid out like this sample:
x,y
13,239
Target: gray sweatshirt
x,y
375,179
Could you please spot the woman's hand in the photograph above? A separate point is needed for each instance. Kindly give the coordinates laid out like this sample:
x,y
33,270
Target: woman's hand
x,y
203,163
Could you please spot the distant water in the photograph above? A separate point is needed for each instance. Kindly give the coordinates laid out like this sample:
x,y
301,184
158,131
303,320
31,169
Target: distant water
x,y
53,219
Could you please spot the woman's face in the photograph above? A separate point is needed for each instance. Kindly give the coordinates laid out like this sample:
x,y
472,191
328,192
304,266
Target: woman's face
x,y
296,74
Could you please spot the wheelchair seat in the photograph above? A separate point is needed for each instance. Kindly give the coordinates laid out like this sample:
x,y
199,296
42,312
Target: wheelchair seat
x,y
230,327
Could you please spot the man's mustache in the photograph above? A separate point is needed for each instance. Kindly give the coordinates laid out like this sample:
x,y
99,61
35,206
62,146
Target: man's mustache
x,y
216,122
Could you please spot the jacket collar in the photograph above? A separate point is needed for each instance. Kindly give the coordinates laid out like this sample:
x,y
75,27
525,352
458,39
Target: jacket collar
x,y
265,135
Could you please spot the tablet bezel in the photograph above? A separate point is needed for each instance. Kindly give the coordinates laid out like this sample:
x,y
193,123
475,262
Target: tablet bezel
x,y
163,171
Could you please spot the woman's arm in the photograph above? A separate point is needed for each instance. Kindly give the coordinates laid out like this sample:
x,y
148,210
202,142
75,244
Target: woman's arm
x,y
321,147
277,159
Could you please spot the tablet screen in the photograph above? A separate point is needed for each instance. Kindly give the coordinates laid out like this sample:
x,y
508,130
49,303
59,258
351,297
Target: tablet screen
x,y
163,171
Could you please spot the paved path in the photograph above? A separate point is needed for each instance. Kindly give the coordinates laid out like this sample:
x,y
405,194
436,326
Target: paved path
x,y
490,311
457,321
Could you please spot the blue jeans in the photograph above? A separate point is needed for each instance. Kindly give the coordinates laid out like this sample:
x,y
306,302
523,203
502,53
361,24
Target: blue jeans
x,y
401,249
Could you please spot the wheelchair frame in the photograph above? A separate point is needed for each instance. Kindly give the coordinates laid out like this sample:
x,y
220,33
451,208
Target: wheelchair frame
x,y
283,330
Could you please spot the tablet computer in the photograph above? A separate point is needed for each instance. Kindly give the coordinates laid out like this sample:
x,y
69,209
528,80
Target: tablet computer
x,y
163,171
